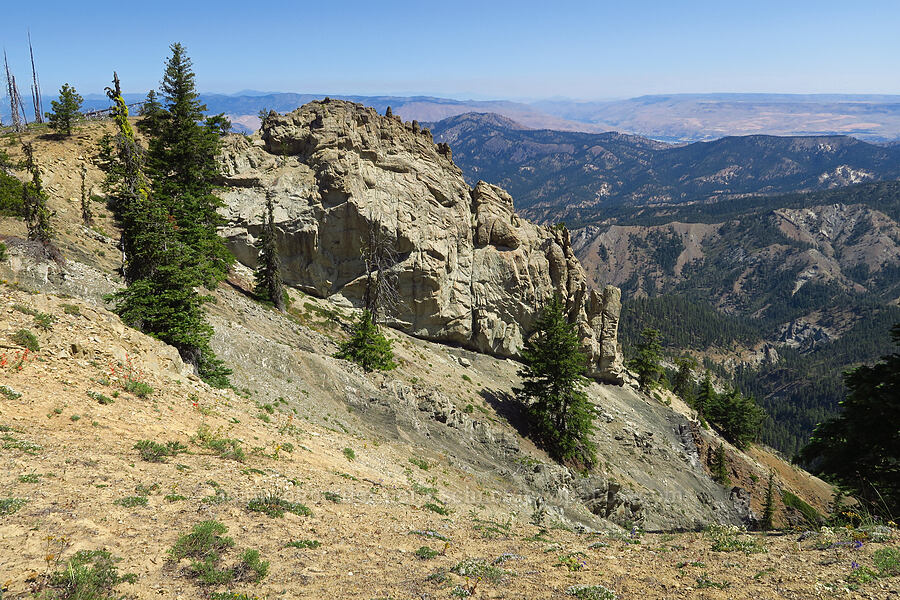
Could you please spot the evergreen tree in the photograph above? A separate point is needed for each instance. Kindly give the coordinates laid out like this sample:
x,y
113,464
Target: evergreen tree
x,y
646,362
151,113
87,215
683,383
65,111
860,449
183,169
367,346
768,516
561,416
706,397
720,466
34,200
268,276
160,299
736,416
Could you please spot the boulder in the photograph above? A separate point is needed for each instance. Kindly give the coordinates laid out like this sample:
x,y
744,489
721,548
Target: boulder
x,y
469,270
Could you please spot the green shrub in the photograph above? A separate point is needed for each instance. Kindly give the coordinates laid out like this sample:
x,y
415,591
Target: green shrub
x,y
138,388
425,553
100,398
151,451
89,575
887,561
224,447
174,497
436,508
44,321
30,478
25,338
332,497
205,545
204,540
251,567
71,309
478,569
275,506
9,393
10,505
2,251
367,345
349,453
420,462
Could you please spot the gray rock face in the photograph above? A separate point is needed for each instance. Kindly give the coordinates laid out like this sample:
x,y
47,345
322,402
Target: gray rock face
x,y
470,271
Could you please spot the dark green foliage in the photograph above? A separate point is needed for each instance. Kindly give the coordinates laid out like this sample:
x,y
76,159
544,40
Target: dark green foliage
x,y
810,515
646,360
683,381
151,114
87,215
720,466
155,452
275,506
268,275
10,189
425,553
89,575
66,110
182,167
205,540
2,251
205,545
26,339
34,200
736,416
367,346
560,415
10,505
161,266
859,448
768,516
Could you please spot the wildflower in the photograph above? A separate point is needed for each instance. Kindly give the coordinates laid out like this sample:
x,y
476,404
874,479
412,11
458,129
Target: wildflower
x,y
857,544
854,565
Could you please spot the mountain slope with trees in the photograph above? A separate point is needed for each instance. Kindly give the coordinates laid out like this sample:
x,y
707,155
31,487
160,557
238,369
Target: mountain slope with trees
x,y
579,177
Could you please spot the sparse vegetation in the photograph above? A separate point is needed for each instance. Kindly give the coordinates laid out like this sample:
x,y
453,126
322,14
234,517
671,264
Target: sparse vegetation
x,y
274,505
312,544
131,501
151,451
89,575
10,505
222,446
26,339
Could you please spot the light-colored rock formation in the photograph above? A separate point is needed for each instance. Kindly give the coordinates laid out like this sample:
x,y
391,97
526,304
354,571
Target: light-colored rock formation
x,y
470,271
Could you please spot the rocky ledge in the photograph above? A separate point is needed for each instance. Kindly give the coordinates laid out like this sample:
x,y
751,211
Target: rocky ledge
x,y
470,271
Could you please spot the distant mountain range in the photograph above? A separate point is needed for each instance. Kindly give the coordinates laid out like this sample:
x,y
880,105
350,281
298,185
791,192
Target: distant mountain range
x,y
584,178
673,118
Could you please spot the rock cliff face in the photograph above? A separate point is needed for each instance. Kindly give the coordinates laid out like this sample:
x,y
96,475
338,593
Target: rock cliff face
x,y
470,272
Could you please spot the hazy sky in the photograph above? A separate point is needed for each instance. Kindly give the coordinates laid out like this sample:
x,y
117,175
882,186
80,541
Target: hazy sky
x,y
485,49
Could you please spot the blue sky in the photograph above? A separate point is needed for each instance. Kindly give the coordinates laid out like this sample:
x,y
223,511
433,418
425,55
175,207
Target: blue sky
x,y
463,49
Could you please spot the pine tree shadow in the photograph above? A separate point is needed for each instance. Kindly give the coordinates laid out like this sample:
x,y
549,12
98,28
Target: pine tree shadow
x,y
507,406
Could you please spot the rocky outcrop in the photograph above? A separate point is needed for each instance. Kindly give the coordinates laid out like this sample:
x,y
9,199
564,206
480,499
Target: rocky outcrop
x,y
469,270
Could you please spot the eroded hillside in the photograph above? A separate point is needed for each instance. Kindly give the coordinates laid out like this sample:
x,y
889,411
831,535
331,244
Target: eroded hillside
x,y
374,467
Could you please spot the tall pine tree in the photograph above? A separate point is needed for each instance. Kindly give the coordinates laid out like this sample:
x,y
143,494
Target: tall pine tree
x,y
182,166
561,416
860,449
34,200
646,360
268,276
160,299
